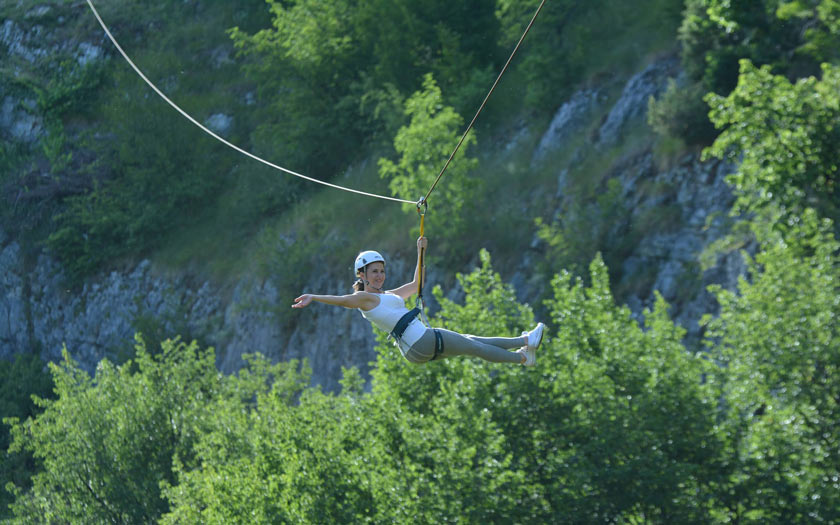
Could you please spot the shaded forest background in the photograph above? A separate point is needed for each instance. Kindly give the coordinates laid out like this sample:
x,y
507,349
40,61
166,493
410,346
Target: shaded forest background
x,y
619,422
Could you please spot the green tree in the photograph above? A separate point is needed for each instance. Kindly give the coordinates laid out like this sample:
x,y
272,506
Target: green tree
x,y
302,66
347,458
107,443
778,342
571,40
822,33
424,145
333,76
613,424
784,138
573,238
716,34
682,113
273,457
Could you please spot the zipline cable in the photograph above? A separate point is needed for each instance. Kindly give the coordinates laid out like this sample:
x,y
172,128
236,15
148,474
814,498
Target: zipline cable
x,y
217,137
464,136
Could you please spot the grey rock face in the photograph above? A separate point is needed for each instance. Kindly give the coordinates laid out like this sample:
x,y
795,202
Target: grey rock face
x,y
687,204
88,53
26,41
13,326
699,193
18,123
100,320
246,316
568,120
633,101
220,123
24,44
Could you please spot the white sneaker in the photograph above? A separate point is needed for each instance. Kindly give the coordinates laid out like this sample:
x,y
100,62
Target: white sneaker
x,y
530,356
535,336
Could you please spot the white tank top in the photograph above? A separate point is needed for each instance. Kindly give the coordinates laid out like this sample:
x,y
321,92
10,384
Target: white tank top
x,y
385,315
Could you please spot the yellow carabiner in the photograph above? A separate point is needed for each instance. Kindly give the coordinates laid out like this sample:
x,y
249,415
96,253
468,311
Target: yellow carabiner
x,y
422,213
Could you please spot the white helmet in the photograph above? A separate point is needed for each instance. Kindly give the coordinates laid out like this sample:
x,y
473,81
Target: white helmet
x,y
367,257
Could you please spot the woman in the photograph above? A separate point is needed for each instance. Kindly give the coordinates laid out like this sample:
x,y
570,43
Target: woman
x,y
419,344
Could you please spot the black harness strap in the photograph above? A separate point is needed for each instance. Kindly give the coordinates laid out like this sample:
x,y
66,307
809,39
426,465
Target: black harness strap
x,y
403,323
438,345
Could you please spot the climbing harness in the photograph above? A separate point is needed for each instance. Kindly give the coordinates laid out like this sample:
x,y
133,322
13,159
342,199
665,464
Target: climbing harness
x,y
402,324
405,320
438,345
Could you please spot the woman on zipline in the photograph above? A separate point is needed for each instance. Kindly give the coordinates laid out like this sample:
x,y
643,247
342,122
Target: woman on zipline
x,y
419,344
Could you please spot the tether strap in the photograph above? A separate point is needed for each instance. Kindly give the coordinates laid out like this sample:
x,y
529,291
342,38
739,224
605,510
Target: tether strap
x,y
421,266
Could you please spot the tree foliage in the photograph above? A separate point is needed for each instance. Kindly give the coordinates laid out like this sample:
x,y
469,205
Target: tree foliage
x,y
784,138
424,145
777,337
106,443
618,422
572,238
333,77
716,34
682,112
790,38
571,39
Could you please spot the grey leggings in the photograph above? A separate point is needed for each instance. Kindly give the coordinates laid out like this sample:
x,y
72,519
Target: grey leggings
x,y
495,349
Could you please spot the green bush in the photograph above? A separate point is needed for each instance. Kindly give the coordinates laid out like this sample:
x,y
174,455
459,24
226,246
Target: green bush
x,y
681,112
792,37
424,145
585,229
108,443
822,36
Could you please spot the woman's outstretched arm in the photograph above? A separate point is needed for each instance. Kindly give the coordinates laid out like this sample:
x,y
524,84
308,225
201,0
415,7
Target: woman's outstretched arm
x,y
407,290
362,300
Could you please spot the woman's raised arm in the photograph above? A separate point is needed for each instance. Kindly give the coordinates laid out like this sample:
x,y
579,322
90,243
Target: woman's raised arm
x,y
408,289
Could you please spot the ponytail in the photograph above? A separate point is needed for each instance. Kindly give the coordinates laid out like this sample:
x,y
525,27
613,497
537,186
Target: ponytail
x,y
359,286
